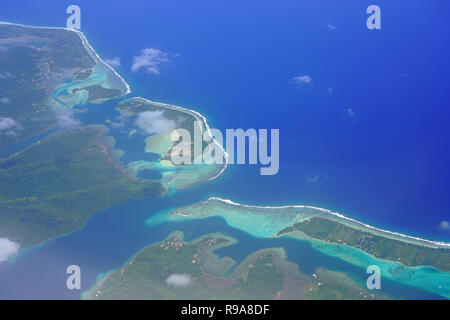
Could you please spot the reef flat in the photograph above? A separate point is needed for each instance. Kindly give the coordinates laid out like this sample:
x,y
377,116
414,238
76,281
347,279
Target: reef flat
x,y
45,72
142,116
53,187
175,269
409,260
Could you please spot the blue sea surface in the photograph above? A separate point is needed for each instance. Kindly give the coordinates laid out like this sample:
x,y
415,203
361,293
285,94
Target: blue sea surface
x,y
367,137
104,244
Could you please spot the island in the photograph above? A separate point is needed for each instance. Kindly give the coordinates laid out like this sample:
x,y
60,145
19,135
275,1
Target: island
x,y
403,258
60,177
160,124
44,73
53,187
176,269
381,247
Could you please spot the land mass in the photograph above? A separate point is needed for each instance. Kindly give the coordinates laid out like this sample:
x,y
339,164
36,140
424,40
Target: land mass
x,y
176,269
378,246
139,114
403,258
53,187
45,72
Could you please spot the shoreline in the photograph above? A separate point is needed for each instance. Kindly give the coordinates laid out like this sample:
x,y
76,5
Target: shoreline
x,y
90,49
205,122
86,45
397,235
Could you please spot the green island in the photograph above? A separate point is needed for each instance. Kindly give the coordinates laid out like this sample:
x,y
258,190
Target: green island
x,y
175,269
161,142
53,187
44,72
378,246
405,259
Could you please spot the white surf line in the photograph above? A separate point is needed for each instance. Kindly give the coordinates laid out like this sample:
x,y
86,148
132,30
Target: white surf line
x,y
208,130
91,50
337,214
86,45
89,47
86,42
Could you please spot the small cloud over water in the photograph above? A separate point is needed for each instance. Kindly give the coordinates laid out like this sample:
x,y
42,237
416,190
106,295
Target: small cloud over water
x,y
302,80
66,119
351,112
331,27
8,126
151,60
114,62
316,178
4,100
444,225
8,249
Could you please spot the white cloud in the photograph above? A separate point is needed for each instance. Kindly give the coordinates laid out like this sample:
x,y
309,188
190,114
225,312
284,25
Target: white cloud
x,y
7,124
313,179
119,122
316,178
114,62
5,75
154,122
301,80
350,112
7,249
4,100
179,280
11,133
331,27
444,225
66,118
150,59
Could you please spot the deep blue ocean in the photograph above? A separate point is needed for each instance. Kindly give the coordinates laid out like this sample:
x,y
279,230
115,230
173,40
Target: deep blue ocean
x,y
384,163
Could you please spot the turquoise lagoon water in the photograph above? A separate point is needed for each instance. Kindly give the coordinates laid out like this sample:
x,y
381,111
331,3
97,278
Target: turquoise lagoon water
x,y
234,62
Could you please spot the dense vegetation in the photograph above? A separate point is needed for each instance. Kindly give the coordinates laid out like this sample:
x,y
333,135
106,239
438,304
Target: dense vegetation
x,y
24,91
378,246
53,187
64,50
144,277
264,274
331,285
33,62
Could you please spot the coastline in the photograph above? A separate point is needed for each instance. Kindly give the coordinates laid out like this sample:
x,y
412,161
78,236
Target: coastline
x,y
86,45
383,232
91,52
205,123
90,293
